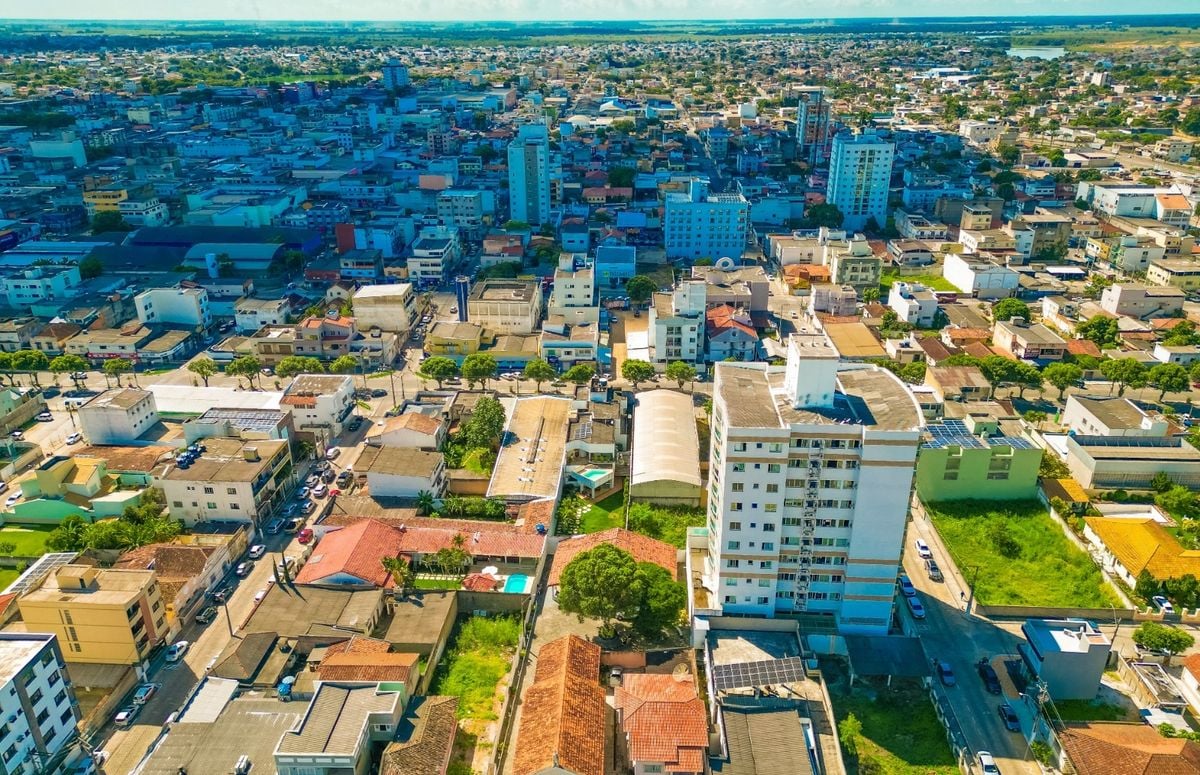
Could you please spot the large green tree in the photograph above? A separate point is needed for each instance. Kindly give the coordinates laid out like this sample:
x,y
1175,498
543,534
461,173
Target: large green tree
x,y
1101,330
1169,378
203,367
1007,309
580,373
661,599
438,368
1062,376
539,371
299,364
1125,373
599,583
636,371
115,367
640,288
69,364
680,372
486,424
246,366
1156,636
479,368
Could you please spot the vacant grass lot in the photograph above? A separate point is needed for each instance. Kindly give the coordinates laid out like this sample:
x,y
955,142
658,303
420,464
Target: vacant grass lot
x,y
901,734
8,576
473,669
1022,555
934,282
29,540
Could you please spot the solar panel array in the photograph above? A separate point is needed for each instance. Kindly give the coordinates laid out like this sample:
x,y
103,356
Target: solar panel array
x,y
749,674
39,570
954,433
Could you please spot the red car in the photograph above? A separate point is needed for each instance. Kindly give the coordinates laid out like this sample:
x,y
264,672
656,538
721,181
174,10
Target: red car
x,y
305,536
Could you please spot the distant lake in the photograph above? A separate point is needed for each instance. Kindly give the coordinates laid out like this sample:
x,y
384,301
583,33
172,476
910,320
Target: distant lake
x,y
1037,52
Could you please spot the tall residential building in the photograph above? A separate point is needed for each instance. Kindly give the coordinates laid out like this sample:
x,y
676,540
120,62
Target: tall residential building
x,y
395,75
860,170
812,125
703,225
106,616
529,175
36,703
811,474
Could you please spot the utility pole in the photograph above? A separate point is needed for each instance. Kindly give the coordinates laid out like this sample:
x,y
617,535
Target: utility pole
x,y
971,596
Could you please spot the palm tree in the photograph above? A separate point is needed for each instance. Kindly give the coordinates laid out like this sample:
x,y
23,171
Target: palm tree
x,y
425,502
402,573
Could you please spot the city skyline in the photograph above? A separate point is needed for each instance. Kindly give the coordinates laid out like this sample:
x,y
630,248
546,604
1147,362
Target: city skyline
x,y
589,10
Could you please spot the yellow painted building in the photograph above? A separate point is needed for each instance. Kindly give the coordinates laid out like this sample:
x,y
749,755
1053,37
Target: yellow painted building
x,y
451,339
106,199
100,616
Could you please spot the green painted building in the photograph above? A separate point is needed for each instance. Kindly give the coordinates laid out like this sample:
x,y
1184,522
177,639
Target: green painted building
x,y
972,460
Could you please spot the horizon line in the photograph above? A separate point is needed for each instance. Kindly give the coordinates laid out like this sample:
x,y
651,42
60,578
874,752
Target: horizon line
x,y
886,18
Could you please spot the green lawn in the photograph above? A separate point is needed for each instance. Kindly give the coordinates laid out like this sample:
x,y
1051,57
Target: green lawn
x,y
1088,710
901,733
30,540
604,514
934,282
8,576
475,665
427,583
1045,569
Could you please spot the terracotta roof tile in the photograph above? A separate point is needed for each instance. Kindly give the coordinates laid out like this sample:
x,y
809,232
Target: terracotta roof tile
x,y
357,550
1107,748
480,582
664,719
643,548
428,730
368,667
562,716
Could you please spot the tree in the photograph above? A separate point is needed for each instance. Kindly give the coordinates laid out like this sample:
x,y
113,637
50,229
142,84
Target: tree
x,y
479,367
109,220
116,367
680,372
451,560
1180,502
539,371
401,571
68,536
1161,482
599,583
1146,586
31,361
621,177
640,288
827,215
1062,376
1155,636
636,371
203,367
90,268
1101,330
580,373
300,364
343,364
68,364
661,599
426,502
437,368
850,734
1124,372
486,424
870,294
1168,378
246,366
1008,153
1007,309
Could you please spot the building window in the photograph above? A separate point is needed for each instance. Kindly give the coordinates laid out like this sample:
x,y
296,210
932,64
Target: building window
x,y
733,546
735,525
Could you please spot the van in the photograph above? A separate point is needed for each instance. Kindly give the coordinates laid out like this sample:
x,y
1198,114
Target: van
x,y
243,765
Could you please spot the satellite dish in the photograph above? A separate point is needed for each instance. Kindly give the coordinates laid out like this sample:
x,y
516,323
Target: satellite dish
x,y
726,264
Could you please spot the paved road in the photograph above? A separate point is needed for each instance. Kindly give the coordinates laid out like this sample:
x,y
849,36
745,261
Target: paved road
x,y
948,633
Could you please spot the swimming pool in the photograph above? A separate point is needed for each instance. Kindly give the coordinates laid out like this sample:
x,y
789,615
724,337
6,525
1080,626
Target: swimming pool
x,y
594,474
517,584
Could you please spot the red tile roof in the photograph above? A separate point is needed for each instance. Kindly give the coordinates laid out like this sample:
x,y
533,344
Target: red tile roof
x,y
421,536
368,667
643,548
722,317
356,550
480,582
1107,748
1083,347
562,716
665,720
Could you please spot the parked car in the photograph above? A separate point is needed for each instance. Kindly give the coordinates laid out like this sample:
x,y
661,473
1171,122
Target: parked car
x,y
987,763
344,478
75,438
302,493
274,526
220,595
268,372
3,486
320,491
906,586
293,525
328,477
933,571
945,672
258,550
208,615
354,424
13,498
45,417
332,453
321,466
308,507
312,480
144,693
1009,717
915,606
305,536
1162,604
923,550
243,569
379,393
177,650
126,715
17,435
991,681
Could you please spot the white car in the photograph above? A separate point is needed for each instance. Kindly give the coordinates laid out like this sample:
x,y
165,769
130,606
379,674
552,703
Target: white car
x,y
332,453
320,490
987,763
177,650
16,496
75,438
923,550
125,717
1164,605
256,551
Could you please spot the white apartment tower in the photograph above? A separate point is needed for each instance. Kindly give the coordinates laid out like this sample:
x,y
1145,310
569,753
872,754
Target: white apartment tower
x,y
812,125
395,75
811,474
860,170
699,224
529,175
40,717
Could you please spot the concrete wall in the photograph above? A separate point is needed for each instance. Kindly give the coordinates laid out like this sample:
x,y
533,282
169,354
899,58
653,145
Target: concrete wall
x,y
972,482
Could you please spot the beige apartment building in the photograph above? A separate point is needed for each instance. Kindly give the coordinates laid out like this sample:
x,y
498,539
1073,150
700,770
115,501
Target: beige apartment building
x,y
100,616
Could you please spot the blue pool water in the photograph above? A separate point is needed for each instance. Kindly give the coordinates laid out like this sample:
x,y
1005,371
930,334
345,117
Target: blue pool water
x,y
593,474
518,583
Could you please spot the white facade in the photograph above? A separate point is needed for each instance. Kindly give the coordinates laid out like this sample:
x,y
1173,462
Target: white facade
x,y
144,212
677,323
1140,301
529,175
118,416
809,487
698,224
174,306
913,303
860,172
23,287
319,402
436,251
386,307
232,481
395,75
574,294
506,306
36,702
980,278
253,314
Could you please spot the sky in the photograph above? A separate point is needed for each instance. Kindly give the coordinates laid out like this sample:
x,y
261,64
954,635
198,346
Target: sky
x,y
535,10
